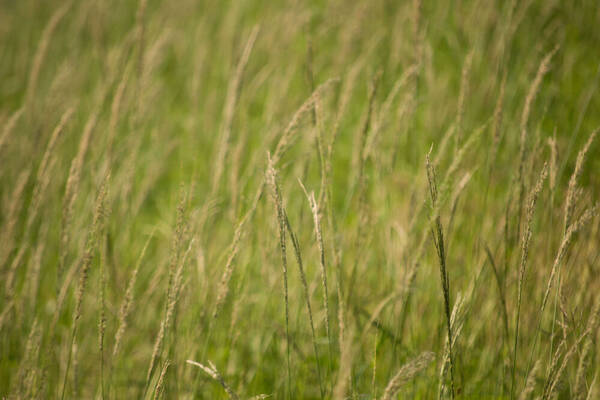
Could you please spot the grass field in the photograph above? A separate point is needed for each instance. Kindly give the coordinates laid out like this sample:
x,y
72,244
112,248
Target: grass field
x,y
307,200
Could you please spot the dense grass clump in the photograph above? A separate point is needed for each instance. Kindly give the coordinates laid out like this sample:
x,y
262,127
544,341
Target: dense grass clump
x,y
323,199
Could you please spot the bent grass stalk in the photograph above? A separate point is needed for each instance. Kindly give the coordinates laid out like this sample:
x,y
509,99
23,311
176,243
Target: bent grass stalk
x,y
438,240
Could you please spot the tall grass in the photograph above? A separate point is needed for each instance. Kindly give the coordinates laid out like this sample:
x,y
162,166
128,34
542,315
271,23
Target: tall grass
x,y
160,163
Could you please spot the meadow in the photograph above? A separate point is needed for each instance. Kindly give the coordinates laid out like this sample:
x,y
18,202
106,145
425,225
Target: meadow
x,y
299,200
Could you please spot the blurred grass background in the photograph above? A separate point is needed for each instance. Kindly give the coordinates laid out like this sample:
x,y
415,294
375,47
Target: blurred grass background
x,y
148,83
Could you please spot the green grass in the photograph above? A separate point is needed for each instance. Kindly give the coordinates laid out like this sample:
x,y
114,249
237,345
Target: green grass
x,y
153,210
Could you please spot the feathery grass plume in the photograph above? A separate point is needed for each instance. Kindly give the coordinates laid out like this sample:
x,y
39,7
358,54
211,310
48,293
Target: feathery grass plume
x,y
34,271
574,227
438,241
115,110
497,125
552,382
272,179
42,49
298,255
43,173
86,262
282,145
531,94
175,258
72,190
345,369
530,384
211,371
533,91
462,95
9,126
158,392
288,134
28,361
223,289
586,356
531,203
9,224
233,93
380,121
128,300
572,190
406,374
319,236
9,284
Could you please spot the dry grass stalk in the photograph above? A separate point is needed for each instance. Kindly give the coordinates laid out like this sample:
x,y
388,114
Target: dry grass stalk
x,y
283,144
438,240
362,154
272,179
592,392
28,372
572,190
15,204
585,357
102,319
42,49
10,126
12,271
211,371
319,236
128,300
86,262
158,392
562,250
141,44
456,323
43,174
223,289
4,316
34,271
233,94
115,110
531,94
345,368
288,134
298,255
176,263
530,384
384,112
551,384
533,197
406,374
72,189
